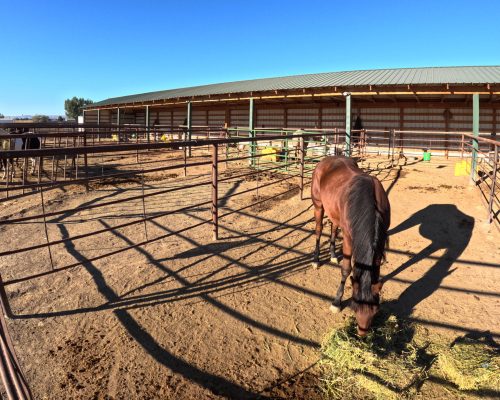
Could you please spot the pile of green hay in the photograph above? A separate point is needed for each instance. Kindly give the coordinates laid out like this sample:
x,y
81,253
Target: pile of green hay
x,y
471,364
386,364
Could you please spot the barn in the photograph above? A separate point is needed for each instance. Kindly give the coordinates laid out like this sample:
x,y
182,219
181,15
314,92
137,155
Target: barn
x,y
405,99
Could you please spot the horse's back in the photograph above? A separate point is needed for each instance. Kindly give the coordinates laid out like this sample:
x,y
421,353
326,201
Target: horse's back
x,y
330,185
333,170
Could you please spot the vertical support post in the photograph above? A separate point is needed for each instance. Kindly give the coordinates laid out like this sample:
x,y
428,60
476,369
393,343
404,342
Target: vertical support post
x,y
144,206
189,125
393,143
287,150
83,117
85,161
147,124
447,113
45,227
347,124
493,184
39,172
251,132
302,157
475,132
215,208
462,143
98,117
401,127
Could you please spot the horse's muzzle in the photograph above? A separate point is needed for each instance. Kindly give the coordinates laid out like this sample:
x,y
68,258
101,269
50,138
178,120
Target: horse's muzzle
x,y
362,331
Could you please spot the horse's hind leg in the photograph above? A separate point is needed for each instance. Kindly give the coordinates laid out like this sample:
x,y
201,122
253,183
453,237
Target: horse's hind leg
x,y
346,270
333,238
318,217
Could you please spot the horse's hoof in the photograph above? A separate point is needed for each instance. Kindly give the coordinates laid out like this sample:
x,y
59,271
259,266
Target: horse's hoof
x,y
334,309
334,260
315,265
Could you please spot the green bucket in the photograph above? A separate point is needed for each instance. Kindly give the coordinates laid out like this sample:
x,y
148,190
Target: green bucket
x,y
427,156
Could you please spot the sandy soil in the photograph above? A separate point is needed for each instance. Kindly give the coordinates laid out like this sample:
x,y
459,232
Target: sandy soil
x,y
186,317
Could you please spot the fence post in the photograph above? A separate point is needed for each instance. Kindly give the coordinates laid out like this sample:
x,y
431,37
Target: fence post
x,y
493,184
302,157
475,131
347,124
251,132
393,141
215,201
144,206
189,125
45,227
184,149
7,311
85,161
462,147
286,152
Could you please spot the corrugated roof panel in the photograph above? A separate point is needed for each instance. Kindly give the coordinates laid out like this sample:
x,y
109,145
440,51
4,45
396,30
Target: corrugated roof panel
x,y
386,77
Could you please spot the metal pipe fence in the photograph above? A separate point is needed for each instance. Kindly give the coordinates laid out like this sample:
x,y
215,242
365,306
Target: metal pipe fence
x,y
219,157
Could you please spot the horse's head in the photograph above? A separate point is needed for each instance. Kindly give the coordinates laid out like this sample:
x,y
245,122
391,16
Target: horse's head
x,y
367,308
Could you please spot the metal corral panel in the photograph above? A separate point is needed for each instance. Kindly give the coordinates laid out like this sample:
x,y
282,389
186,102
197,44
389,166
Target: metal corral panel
x,y
347,79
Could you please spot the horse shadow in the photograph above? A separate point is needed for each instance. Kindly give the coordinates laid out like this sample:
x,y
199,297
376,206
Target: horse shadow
x,y
447,228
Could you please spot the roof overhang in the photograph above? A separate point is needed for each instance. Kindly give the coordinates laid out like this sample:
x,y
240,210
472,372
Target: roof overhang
x,y
369,91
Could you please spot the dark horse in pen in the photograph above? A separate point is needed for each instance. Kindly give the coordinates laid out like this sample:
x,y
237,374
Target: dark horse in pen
x,y
356,203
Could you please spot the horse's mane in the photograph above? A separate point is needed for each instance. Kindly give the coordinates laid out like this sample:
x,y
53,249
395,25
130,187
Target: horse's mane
x,y
368,234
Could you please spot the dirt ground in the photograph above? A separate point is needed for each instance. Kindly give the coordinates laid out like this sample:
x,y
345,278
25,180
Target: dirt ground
x,y
186,317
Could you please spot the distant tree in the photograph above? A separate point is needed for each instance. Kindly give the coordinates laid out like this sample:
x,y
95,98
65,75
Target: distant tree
x,y
40,118
2,116
73,107
60,119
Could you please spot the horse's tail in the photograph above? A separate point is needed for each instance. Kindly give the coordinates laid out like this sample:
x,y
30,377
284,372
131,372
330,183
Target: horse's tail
x,y
368,231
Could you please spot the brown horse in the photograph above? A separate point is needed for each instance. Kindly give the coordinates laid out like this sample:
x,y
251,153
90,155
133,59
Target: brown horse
x,y
356,203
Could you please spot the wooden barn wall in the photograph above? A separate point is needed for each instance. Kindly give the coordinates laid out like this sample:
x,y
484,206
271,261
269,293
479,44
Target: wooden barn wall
x,y
333,117
270,118
127,116
113,115
179,117
238,117
216,118
105,116
91,117
199,117
140,117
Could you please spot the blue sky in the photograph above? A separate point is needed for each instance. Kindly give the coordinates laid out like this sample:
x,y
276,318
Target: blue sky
x,y
53,50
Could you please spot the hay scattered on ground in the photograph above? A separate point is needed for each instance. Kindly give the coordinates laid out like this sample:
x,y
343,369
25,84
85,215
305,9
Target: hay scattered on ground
x,y
395,359
471,364
387,364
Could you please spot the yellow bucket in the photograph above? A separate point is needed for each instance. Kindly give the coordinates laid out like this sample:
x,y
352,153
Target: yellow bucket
x,y
270,154
165,138
463,168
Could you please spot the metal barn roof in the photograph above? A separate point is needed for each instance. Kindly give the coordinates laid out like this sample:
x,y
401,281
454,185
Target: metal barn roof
x,y
348,79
